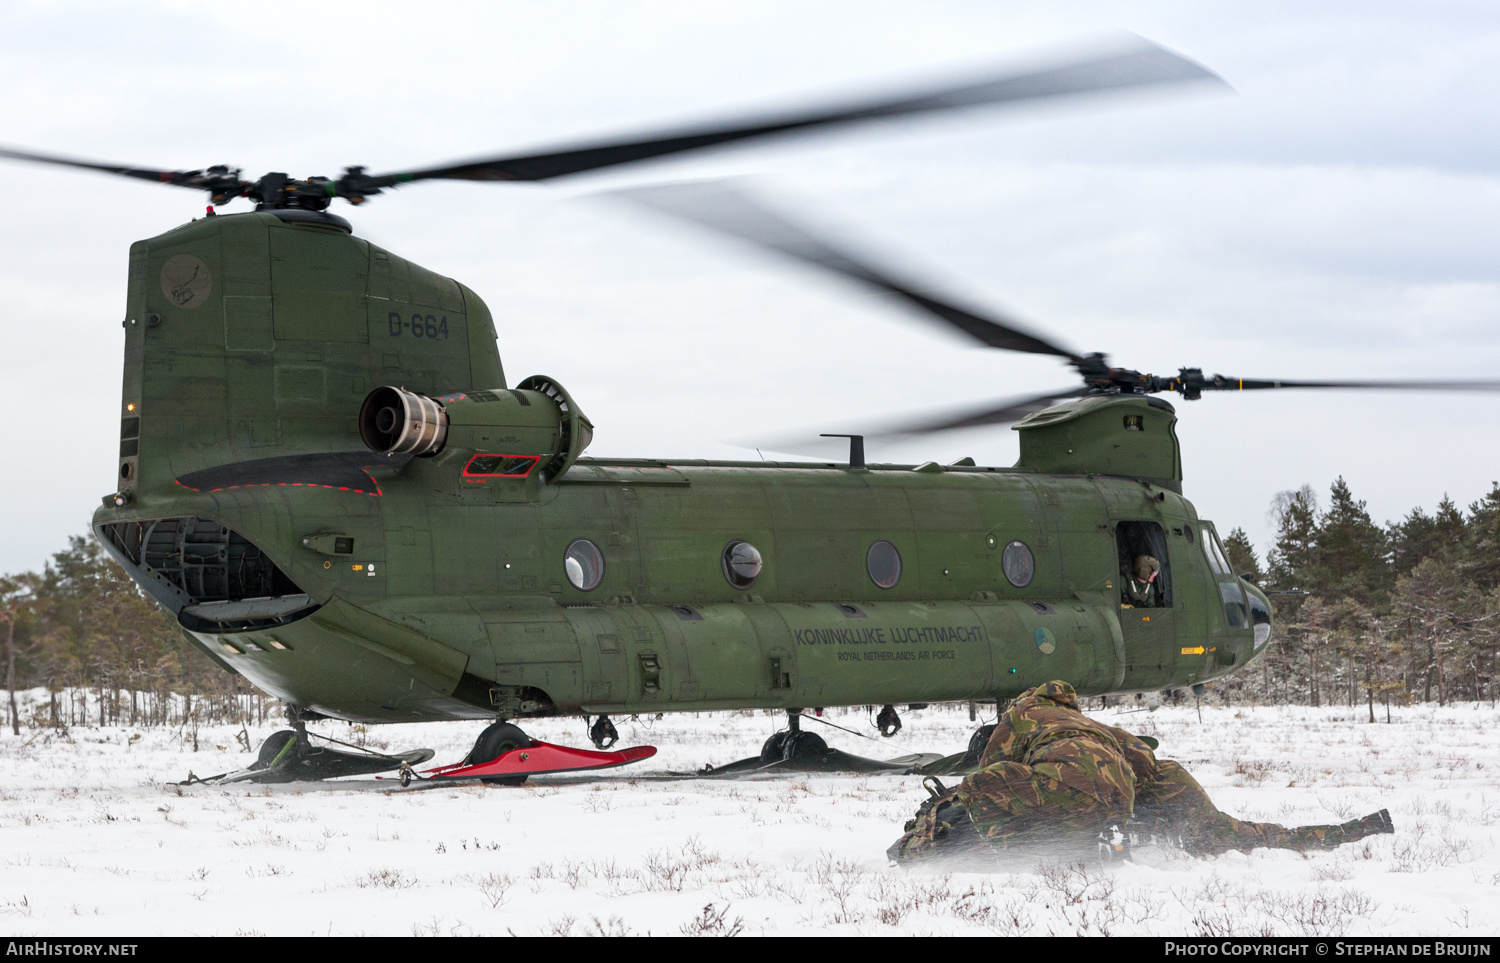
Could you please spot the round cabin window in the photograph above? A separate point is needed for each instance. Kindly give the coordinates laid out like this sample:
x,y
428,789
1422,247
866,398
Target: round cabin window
x,y
1018,563
883,563
584,564
741,563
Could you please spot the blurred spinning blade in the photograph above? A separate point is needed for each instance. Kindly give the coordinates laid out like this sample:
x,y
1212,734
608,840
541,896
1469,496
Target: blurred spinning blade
x,y
726,210
1136,64
718,206
722,208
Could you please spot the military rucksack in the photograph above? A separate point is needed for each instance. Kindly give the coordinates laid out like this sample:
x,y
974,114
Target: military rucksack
x,y
940,827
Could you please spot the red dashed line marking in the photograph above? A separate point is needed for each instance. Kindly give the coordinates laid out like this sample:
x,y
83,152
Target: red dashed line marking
x,y
374,494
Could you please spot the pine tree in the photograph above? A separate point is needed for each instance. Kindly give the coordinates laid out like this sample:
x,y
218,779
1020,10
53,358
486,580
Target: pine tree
x,y
1351,552
89,627
1296,517
1449,530
1438,610
1421,536
1480,553
1411,540
1242,557
19,603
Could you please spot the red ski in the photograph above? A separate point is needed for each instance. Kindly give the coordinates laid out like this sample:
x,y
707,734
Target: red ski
x,y
539,758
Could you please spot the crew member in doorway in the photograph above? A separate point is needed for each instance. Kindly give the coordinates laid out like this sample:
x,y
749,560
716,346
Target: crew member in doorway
x,y
1140,585
1052,781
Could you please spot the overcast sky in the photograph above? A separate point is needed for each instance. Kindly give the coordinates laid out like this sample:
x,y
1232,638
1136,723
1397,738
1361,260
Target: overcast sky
x,y
1337,216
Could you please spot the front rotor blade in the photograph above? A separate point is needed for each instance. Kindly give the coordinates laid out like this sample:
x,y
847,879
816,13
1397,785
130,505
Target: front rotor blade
x,y
1002,414
1143,65
715,205
1222,383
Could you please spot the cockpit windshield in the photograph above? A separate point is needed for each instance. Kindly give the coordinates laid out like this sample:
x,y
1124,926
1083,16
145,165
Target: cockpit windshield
x,y
1240,607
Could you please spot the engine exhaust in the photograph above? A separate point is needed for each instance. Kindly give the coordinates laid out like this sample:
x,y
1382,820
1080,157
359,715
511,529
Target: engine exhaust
x,y
394,421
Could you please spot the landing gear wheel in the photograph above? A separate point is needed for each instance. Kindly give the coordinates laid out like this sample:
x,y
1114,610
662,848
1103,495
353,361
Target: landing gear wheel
x,y
798,745
977,742
603,733
276,747
772,750
493,742
290,756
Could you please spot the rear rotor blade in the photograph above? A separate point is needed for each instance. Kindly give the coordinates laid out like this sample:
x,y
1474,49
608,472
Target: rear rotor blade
x,y
178,178
715,205
1143,64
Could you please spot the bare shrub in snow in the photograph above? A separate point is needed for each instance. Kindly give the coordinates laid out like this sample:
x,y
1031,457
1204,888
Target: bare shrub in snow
x,y
838,879
573,874
1216,922
614,926
493,887
1006,917
713,922
664,873
1317,914
385,878
1251,771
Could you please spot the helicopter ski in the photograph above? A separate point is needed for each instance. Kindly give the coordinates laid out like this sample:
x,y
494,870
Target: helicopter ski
x,y
326,477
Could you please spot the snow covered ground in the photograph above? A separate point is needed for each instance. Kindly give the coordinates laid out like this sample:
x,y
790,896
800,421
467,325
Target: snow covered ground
x,y
97,840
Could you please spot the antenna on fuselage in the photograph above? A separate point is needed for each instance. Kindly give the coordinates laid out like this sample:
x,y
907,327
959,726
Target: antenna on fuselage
x,y
856,449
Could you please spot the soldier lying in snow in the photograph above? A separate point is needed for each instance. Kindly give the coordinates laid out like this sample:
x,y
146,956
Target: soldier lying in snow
x,y
1051,779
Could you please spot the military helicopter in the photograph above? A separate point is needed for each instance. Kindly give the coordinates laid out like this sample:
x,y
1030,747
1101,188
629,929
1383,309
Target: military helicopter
x,y
324,475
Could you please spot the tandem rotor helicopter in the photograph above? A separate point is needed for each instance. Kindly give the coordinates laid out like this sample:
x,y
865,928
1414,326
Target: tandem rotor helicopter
x,y
326,477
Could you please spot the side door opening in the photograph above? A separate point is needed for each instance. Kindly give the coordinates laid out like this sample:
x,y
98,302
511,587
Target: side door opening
x,y
1145,569
1147,620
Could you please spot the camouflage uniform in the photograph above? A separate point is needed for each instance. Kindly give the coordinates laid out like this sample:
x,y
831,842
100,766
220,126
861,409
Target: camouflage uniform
x,y
1175,806
1051,778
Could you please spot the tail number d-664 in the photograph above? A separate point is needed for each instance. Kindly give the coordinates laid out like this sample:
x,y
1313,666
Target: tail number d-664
x,y
419,326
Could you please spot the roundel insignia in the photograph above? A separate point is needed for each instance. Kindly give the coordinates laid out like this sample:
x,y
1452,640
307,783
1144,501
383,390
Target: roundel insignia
x,y
1046,641
185,281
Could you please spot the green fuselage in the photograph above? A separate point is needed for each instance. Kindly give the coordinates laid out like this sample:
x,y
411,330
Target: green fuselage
x,y
438,592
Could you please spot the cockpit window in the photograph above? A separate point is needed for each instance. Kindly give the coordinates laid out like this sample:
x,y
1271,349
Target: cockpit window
x,y
1260,617
1145,575
1234,604
1216,558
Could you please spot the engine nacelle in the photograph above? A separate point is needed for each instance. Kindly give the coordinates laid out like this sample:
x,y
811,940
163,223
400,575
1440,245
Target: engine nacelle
x,y
535,426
